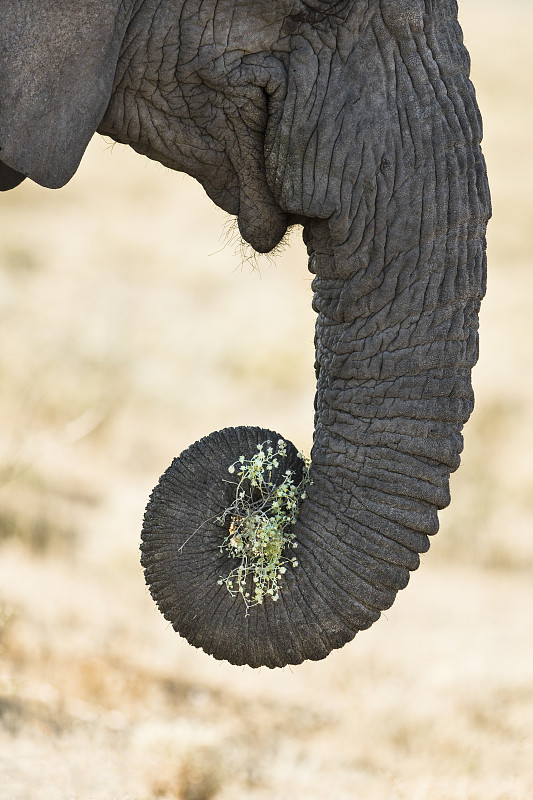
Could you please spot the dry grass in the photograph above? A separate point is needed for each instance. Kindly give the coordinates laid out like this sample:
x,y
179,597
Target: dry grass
x,y
129,329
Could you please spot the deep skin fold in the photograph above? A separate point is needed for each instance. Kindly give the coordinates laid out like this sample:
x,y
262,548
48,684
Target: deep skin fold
x,y
358,121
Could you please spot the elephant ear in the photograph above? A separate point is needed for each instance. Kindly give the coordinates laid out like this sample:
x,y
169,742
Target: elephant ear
x,y
57,64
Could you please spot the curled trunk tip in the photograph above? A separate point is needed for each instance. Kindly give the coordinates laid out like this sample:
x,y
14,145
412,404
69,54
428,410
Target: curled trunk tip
x,y
322,599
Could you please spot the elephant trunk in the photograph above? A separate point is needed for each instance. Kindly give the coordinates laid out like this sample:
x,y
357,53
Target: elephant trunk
x,y
385,170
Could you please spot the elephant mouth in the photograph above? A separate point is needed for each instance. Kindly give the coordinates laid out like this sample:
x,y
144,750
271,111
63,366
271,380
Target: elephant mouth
x,y
233,176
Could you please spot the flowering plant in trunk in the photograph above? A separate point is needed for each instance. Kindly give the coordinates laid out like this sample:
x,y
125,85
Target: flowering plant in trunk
x,y
261,520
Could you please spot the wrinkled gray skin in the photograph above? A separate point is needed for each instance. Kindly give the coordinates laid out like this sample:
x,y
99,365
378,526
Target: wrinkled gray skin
x,y
356,119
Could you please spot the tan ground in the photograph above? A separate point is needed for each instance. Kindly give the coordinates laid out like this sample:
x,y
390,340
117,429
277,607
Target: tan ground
x,y
128,330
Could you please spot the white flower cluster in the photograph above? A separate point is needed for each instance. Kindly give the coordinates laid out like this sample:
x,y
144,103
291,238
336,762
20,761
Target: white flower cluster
x,y
261,520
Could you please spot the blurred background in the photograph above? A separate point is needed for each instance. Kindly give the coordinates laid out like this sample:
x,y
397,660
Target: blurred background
x,y
132,323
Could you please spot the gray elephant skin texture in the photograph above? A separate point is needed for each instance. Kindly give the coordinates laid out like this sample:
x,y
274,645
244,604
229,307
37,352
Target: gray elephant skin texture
x,y
357,120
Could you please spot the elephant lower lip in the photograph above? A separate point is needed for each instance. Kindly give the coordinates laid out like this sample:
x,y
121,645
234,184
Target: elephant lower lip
x,y
9,178
261,222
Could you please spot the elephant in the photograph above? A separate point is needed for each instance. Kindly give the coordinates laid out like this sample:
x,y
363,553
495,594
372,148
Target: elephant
x,y
356,120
